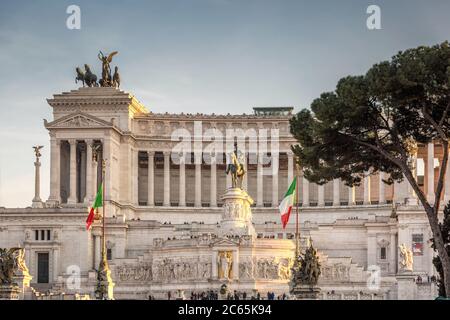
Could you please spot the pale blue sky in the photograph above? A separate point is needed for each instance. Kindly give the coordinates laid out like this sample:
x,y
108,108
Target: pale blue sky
x,y
199,56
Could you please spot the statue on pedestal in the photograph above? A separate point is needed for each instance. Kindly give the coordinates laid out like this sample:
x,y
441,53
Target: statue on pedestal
x,y
225,262
11,261
407,258
236,167
305,274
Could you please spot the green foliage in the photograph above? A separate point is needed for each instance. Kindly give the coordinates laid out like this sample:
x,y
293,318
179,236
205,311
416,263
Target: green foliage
x,y
371,122
445,229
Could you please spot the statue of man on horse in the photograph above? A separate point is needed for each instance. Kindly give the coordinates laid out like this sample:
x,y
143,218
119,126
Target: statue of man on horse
x,y
236,167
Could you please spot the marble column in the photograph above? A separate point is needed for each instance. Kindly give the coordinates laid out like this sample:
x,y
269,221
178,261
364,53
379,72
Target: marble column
x,y
381,189
235,265
447,183
430,173
321,195
366,197
73,172
94,179
166,202
82,173
351,196
290,175
55,270
393,253
336,193
411,198
136,177
182,190
151,179
89,174
275,171
371,249
198,180
107,155
37,202
245,180
213,186
305,192
214,273
97,250
259,182
55,179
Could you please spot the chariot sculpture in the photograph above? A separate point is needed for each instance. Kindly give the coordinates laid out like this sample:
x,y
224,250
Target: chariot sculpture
x,y
88,78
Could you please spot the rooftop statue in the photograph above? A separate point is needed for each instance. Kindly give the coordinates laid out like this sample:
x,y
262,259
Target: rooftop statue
x,y
116,78
106,80
87,77
37,151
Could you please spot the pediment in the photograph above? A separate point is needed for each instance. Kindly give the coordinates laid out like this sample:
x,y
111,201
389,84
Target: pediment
x,y
224,242
78,120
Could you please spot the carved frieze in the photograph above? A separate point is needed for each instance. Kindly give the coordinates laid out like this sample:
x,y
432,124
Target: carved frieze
x,y
142,272
181,269
335,272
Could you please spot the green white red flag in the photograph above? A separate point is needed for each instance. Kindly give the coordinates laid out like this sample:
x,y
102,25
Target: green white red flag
x,y
287,203
98,203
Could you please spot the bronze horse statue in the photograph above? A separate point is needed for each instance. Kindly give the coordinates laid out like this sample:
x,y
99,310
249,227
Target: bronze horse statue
x,y
116,78
236,168
87,77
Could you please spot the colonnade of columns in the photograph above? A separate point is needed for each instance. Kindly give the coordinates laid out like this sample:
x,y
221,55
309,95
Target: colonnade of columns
x,y
91,169
83,168
260,174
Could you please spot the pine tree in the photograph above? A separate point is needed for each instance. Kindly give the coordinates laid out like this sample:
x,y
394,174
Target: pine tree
x,y
445,229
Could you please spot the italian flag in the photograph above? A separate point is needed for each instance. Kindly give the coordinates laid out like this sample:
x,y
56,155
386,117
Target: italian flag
x,y
98,203
287,203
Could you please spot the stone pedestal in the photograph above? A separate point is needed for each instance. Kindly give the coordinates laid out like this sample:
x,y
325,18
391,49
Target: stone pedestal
x,y
236,214
105,285
9,292
306,292
23,280
407,287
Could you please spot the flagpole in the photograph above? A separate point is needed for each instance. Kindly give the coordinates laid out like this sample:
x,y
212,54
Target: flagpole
x,y
104,210
104,281
297,198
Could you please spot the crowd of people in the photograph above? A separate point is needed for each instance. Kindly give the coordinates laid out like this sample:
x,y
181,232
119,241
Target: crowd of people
x,y
429,279
235,295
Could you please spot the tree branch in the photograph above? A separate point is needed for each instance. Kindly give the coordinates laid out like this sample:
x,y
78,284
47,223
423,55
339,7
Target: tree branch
x,y
444,116
442,172
438,128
